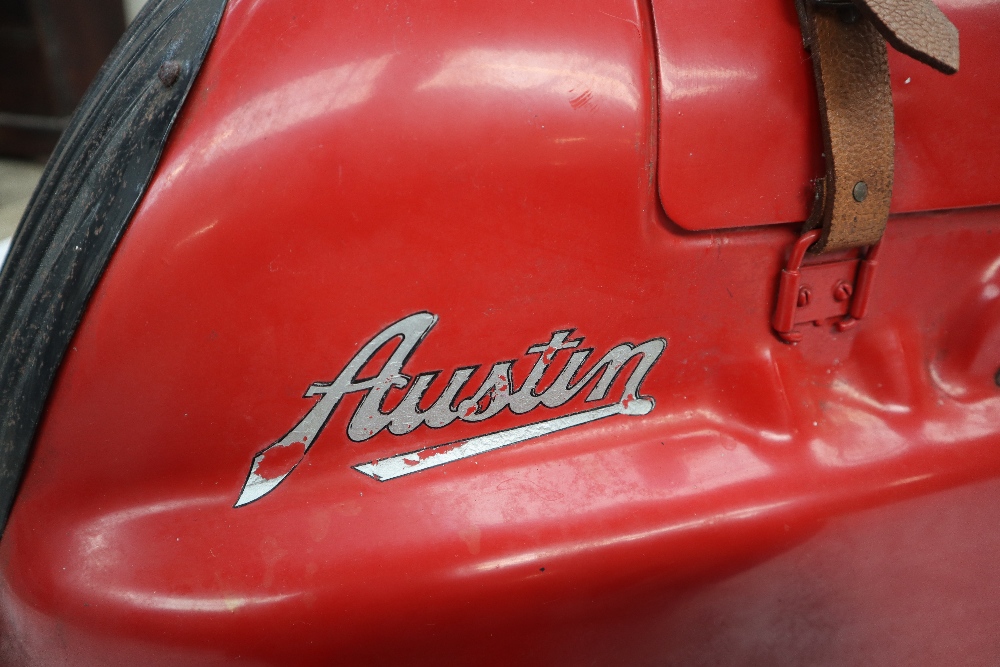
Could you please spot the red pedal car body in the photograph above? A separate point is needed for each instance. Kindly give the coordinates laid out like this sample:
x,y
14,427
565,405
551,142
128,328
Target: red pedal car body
x,y
437,333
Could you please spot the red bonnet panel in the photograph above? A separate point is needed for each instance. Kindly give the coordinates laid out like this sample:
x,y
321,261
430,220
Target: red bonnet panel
x,y
739,137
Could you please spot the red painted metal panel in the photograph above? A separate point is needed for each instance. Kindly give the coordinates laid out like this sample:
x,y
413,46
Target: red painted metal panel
x,y
341,168
739,132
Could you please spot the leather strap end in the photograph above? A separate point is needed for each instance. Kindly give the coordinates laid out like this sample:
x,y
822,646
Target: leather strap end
x,y
917,28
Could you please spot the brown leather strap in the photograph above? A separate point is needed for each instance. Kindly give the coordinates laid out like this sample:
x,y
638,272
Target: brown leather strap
x,y
918,29
855,105
855,102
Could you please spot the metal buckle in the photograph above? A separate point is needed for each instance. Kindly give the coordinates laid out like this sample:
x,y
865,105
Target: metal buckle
x,y
832,291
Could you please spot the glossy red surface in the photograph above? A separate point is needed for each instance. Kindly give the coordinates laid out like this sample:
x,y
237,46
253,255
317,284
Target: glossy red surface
x,y
739,132
340,168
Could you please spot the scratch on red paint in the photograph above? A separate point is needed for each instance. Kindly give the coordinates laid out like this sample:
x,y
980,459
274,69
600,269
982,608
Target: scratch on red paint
x,y
581,100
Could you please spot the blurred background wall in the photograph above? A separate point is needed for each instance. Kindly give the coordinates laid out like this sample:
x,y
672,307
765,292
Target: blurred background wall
x,y
50,51
132,8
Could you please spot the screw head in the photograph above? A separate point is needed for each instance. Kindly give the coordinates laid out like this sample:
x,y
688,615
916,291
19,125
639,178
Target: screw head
x,y
169,73
860,191
842,291
805,296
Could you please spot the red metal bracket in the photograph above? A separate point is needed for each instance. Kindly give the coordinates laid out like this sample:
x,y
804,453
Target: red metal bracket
x,y
822,292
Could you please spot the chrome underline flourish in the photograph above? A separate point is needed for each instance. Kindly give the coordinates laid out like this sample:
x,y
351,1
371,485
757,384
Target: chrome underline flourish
x,y
436,455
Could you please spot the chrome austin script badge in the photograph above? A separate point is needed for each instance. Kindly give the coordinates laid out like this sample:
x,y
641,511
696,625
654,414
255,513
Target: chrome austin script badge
x,y
272,465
